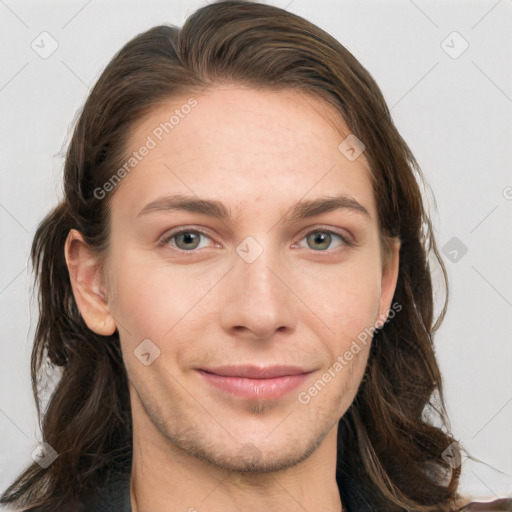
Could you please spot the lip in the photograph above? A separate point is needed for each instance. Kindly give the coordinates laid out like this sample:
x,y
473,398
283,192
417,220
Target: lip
x,y
250,371
249,381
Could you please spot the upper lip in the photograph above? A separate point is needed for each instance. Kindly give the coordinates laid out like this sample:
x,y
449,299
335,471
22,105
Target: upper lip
x,y
256,372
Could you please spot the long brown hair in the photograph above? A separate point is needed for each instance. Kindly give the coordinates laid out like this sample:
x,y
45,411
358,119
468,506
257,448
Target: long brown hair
x,y
387,440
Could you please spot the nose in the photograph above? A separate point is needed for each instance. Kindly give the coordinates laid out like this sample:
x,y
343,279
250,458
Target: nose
x,y
258,299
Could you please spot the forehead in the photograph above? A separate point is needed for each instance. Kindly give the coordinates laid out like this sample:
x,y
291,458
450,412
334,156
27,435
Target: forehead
x,y
244,145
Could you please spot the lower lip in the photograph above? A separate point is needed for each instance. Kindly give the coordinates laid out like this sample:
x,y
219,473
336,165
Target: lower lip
x,y
255,388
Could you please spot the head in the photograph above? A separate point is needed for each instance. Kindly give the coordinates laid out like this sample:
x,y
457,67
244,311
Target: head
x,y
227,202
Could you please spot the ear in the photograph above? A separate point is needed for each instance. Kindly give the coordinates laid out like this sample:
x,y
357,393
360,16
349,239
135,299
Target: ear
x,y
389,279
86,281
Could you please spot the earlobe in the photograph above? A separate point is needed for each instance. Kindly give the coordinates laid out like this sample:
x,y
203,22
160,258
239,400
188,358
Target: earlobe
x,y
84,269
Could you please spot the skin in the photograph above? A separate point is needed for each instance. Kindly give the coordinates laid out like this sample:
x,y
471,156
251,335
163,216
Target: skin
x,y
301,301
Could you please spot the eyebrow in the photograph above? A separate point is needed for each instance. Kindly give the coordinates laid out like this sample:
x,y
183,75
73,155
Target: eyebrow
x,y
301,210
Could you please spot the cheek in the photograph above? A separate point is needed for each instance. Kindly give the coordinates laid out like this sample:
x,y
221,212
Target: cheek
x,y
151,297
139,297
345,297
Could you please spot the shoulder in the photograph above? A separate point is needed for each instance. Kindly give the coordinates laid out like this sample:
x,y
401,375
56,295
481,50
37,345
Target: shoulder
x,y
498,505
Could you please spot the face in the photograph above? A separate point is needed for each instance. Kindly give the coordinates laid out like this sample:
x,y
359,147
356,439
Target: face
x,y
251,279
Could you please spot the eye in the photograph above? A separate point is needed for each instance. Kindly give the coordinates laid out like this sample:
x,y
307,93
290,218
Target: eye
x,y
322,239
185,240
188,240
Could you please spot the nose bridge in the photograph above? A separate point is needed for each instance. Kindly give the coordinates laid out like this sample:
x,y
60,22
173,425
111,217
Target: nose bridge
x,y
257,270
259,275
258,301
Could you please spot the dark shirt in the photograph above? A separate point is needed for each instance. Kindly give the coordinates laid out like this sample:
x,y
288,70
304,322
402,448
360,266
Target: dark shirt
x,y
115,497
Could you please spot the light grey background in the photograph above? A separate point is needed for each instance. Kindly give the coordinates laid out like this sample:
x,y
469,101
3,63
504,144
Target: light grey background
x,y
455,113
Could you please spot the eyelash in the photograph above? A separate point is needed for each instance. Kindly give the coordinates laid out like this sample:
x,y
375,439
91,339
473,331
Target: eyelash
x,y
168,237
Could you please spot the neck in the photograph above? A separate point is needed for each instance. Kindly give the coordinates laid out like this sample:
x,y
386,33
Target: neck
x,y
166,478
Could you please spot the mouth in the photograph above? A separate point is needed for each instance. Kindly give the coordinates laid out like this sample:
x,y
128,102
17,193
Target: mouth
x,y
249,381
